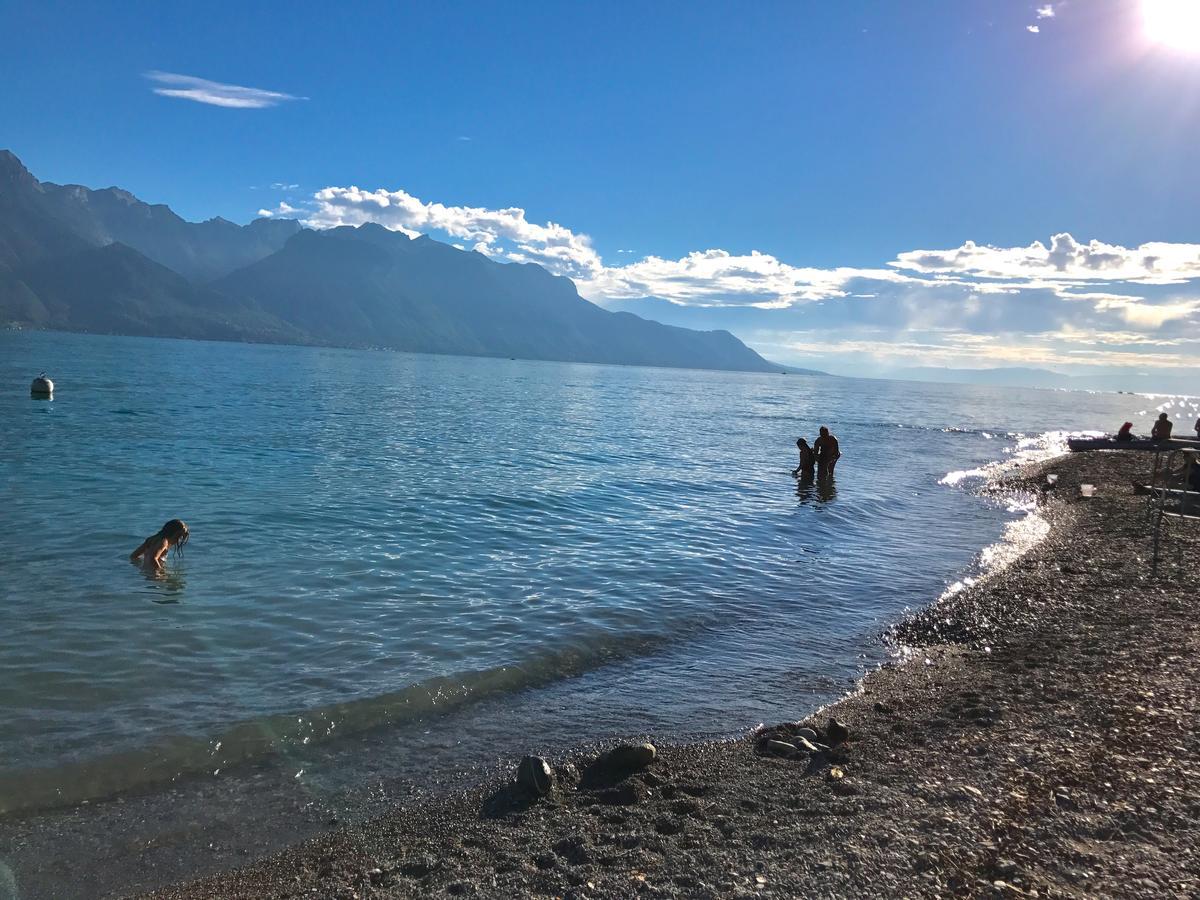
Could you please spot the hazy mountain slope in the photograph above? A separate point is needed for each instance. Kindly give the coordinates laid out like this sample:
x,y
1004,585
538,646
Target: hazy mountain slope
x,y
102,260
39,219
29,230
371,286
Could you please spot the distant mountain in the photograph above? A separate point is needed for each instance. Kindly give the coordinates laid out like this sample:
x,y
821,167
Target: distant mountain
x,y
368,285
53,218
1009,376
115,289
78,259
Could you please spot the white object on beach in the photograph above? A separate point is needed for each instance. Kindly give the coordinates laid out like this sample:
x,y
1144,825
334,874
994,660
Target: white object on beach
x,y
1052,478
1087,490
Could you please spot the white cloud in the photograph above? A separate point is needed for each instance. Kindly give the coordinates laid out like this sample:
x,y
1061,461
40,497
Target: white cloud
x,y
1037,303
1046,12
1064,260
1032,29
1152,316
500,233
720,278
214,93
283,211
280,186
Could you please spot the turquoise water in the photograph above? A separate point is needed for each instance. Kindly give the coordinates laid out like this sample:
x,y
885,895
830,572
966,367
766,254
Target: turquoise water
x,y
378,537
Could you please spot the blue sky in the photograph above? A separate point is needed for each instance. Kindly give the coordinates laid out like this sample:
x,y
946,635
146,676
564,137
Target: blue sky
x,y
773,168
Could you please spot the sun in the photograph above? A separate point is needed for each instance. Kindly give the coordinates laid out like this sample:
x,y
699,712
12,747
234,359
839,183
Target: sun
x,y
1175,23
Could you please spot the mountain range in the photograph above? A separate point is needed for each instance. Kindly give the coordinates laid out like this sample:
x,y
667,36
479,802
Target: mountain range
x,y
77,259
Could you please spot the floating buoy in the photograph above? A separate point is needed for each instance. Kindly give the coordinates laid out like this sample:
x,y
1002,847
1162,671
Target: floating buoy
x,y
41,387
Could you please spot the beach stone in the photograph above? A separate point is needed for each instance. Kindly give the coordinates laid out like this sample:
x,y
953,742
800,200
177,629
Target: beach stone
x,y
567,773
630,756
418,867
836,733
535,775
668,825
627,794
574,850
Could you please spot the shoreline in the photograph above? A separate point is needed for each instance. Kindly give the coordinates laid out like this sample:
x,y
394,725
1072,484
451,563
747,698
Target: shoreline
x,y
1036,742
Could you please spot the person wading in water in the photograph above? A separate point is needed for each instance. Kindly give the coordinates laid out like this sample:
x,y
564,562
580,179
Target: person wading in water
x,y
808,460
828,453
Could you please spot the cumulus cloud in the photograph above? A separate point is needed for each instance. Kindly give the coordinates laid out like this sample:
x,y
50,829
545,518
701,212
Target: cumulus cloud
x,y
1065,260
214,93
1046,12
1058,301
500,233
718,277
1032,29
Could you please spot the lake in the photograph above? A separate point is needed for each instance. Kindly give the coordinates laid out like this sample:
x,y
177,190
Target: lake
x,y
379,539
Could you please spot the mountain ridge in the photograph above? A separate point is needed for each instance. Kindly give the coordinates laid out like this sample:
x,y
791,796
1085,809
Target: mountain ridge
x,y
74,258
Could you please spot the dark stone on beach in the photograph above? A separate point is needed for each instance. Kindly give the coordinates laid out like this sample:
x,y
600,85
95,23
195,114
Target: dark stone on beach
x,y
808,746
685,807
567,774
836,733
626,794
630,756
535,775
574,850
545,860
844,787
418,867
667,825
1005,867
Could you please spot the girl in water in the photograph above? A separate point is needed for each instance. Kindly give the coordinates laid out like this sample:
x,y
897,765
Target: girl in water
x,y
153,550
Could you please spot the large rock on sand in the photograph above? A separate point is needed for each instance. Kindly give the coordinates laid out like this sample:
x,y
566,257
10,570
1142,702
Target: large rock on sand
x,y
630,756
535,775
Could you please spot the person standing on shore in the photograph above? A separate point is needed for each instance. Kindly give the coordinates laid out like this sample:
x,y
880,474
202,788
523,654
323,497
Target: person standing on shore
x,y
1162,428
808,460
828,453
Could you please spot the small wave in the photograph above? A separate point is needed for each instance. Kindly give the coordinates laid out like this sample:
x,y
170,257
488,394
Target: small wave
x,y
174,756
1027,449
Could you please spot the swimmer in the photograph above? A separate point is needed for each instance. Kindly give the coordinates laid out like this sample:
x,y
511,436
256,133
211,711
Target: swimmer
x,y
153,550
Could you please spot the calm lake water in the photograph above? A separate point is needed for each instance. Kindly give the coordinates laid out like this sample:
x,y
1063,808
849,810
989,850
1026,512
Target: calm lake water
x,y
380,538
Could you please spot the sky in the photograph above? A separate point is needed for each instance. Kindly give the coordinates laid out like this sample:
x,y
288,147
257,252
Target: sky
x,y
857,186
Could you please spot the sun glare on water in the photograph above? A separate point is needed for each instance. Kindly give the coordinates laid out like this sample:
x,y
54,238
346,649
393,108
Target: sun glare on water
x,y
1173,22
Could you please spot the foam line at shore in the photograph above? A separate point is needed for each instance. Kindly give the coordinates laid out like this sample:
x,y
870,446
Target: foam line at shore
x,y
1028,449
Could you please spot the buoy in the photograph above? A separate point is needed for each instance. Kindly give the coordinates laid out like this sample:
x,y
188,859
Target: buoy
x,y
42,386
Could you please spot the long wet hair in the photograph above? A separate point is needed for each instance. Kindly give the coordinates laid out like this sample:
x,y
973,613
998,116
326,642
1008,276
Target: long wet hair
x,y
176,533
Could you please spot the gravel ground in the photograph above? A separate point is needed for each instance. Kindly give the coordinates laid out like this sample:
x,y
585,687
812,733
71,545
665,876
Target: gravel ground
x,y
1040,740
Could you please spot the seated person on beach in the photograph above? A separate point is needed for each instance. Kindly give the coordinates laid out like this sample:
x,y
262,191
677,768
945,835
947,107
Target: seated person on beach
x,y
828,452
808,460
1125,434
153,550
1162,428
